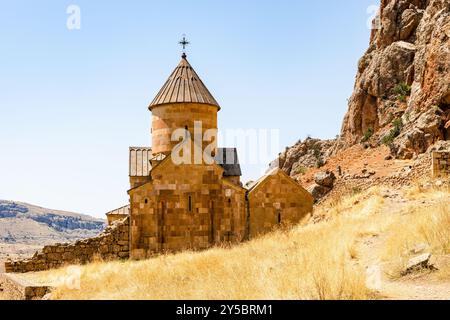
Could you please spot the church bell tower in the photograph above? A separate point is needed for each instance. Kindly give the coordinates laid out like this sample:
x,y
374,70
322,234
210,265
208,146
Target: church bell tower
x,y
182,101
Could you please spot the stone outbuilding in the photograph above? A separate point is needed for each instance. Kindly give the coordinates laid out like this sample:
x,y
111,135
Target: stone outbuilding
x,y
276,199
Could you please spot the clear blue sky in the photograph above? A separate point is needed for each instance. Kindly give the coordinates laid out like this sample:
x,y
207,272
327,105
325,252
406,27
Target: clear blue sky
x,y
73,101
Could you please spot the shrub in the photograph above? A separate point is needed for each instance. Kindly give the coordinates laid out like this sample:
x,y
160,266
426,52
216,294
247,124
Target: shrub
x,y
319,163
388,139
316,151
394,133
398,126
356,191
367,135
402,90
401,98
300,170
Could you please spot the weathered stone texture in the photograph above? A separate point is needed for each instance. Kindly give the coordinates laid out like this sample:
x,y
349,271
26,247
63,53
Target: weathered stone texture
x,y
185,207
112,244
274,200
441,164
310,153
168,118
405,74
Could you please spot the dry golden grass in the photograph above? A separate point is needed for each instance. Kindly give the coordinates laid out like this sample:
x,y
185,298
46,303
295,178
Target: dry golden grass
x,y
311,262
424,222
444,273
317,261
296,264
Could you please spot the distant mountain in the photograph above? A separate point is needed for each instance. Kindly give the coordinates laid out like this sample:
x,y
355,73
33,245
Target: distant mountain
x,y
30,225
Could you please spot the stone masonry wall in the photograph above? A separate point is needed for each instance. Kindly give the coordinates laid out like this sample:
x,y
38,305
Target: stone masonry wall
x,y
14,288
170,117
276,200
111,244
441,164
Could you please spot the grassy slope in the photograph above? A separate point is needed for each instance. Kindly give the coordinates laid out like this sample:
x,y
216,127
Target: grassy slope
x,y
317,261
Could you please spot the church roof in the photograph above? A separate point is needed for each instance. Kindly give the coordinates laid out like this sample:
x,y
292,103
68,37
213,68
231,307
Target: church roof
x,y
125,210
184,86
228,159
139,165
253,186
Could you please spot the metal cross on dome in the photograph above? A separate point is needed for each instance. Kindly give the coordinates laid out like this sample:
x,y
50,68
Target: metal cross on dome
x,y
184,43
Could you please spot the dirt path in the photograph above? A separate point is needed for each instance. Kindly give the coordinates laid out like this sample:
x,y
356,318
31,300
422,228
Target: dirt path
x,y
417,287
416,290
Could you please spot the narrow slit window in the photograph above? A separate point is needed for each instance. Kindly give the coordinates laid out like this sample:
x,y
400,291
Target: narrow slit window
x,y
190,203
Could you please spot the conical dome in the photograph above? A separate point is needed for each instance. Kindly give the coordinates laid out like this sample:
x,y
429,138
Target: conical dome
x,y
184,86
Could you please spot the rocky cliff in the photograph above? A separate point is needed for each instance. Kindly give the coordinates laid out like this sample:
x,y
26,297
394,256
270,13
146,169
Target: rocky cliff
x,y
22,223
401,97
402,91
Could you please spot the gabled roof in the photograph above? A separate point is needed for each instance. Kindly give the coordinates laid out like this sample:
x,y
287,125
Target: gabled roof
x,y
184,86
228,159
276,171
252,185
167,160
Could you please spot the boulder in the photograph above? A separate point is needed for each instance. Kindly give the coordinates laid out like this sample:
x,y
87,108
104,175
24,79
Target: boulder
x,y
418,263
318,192
419,135
325,179
409,21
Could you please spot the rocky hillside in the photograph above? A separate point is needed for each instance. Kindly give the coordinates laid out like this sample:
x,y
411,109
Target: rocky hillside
x,y
402,92
22,223
401,98
303,155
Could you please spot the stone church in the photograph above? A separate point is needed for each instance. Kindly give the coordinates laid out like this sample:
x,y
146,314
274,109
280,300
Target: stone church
x,y
187,205
197,205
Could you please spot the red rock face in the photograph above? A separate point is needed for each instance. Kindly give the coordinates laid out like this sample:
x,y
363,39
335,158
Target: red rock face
x,y
404,77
